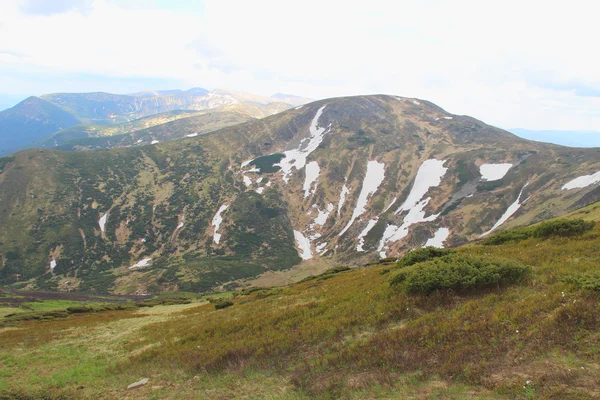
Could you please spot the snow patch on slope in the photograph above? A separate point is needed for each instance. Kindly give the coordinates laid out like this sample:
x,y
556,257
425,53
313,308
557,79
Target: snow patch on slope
x,y
321,218
142,263
513,208
345,191
102,222
304,245
216,223
52,264
154,142
373,178
438,239
365,232
494,172
191,135
582,181
247,180
429,175
312,171
297,158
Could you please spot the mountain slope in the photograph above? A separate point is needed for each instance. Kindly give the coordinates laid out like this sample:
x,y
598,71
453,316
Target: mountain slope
x,y
338,180
351,334
182,128
29,120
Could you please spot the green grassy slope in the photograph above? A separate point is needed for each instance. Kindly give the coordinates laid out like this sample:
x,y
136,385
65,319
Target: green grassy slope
x,y
344,334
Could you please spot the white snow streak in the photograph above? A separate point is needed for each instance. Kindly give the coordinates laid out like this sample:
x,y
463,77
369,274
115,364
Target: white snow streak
x,y
297,158
321,218
154,142
373,178
143,263
513,208
438,239
345,191
246,162
304,245
312,171
391,204
53,264
365,232
494,172
216,222
321,248
429,175
192,135
247,180
102,222
582,181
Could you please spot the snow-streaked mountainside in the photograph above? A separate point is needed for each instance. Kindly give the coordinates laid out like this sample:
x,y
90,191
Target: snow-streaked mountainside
x,y
343,180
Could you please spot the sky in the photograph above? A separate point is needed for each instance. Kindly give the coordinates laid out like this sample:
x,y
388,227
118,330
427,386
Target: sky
x,y
527,63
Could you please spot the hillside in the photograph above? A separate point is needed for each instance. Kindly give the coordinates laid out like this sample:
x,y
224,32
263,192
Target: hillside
x,y
30,120
355,334
344,180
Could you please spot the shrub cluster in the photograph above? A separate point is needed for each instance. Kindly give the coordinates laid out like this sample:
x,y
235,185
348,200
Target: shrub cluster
x,y
421,255
327,274
553,228
460,273
586,281
223,304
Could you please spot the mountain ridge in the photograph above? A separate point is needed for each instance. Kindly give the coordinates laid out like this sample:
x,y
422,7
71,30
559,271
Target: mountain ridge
x,y
281,180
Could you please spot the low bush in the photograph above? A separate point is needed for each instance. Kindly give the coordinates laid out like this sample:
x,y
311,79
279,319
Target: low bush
x,y
553,228
586,281
219,305
36,315
460,273
420,255
563,227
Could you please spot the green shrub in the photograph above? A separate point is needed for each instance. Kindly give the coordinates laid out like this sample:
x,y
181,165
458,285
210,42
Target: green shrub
x,y
420,255
223,304
461,273
563,227
557,227
36,315
586,281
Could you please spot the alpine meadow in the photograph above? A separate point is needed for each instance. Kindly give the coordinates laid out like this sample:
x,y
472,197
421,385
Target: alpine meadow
x,y
359,234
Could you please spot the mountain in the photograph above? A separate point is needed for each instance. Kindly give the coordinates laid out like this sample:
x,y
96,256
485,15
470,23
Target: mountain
x,y
107,108
345,180
564,138
102,114
291,99
182,128
29,120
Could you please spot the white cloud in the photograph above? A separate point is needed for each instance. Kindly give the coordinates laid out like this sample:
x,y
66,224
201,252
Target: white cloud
x,y
510,63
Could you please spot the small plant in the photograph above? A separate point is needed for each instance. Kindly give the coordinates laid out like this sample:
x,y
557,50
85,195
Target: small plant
x,y
219,305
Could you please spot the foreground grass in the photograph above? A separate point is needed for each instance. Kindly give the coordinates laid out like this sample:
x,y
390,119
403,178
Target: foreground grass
x,y
343,335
